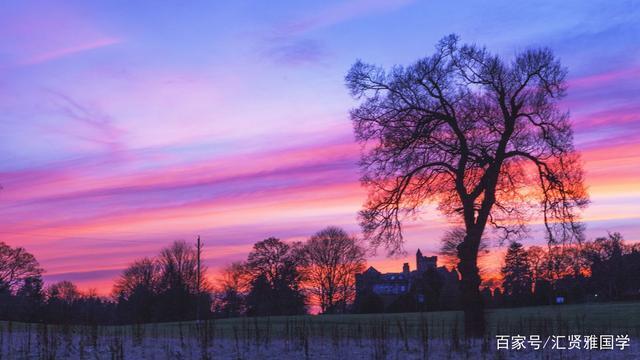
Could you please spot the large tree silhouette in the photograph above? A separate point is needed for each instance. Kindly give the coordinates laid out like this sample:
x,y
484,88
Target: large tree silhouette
x,y
137,290
478,135
16,266
331,258
275,279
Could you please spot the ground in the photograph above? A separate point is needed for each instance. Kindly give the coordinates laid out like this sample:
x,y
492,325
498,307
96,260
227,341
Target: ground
x,y
435,335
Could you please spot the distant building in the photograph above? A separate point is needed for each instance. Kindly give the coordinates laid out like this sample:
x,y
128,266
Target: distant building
x,y
408,284
423,263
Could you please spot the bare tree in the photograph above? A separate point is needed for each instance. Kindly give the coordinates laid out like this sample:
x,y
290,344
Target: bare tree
x,y
537,258
143,274
480,136
65,291
450,242
16,265
234,285
179,264
270,257
235,276
273,267
331,259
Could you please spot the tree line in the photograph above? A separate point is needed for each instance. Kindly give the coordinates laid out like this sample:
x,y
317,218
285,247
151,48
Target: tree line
x,y
162,288
604,269
277,278
280,278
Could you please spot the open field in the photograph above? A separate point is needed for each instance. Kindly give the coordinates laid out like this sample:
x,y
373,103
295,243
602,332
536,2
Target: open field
x,y
588,318
414,335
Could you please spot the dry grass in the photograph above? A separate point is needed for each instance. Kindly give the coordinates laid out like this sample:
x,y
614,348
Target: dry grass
x,y
414,335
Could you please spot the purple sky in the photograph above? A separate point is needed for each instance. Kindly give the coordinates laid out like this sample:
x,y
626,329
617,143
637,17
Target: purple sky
x,y
127,126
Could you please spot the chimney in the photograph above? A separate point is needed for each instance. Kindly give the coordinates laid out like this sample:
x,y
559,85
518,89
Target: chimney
x,y
405,268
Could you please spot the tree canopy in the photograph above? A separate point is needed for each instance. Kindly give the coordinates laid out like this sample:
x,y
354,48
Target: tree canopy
x,y
482,137
16,266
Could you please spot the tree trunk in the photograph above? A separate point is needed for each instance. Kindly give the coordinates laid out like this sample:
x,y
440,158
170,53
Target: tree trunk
x,y
472,302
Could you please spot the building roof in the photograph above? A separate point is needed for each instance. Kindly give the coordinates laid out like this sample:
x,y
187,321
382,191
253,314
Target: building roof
x,y
372,270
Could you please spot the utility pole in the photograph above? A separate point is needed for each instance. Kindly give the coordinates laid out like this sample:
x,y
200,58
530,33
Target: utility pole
x,y
199,250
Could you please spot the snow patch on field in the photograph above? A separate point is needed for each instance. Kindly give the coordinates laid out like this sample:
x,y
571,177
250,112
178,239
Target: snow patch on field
x,y
74,343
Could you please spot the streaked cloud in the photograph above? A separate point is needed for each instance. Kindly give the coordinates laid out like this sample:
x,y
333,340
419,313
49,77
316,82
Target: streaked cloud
x,y
127,128
68,51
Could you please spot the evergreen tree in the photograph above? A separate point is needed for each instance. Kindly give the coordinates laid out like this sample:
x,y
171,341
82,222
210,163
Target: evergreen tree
x,y
30,297
516,275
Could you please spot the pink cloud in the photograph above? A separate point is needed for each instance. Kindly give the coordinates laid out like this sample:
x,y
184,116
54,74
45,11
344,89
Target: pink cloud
x,y
73,217
599,79
70,50
38,33
618,116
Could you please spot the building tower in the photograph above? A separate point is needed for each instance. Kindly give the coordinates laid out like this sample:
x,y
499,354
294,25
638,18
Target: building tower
x,y
423,263
420,263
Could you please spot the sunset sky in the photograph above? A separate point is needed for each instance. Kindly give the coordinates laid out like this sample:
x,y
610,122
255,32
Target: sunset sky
x,y
126,126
